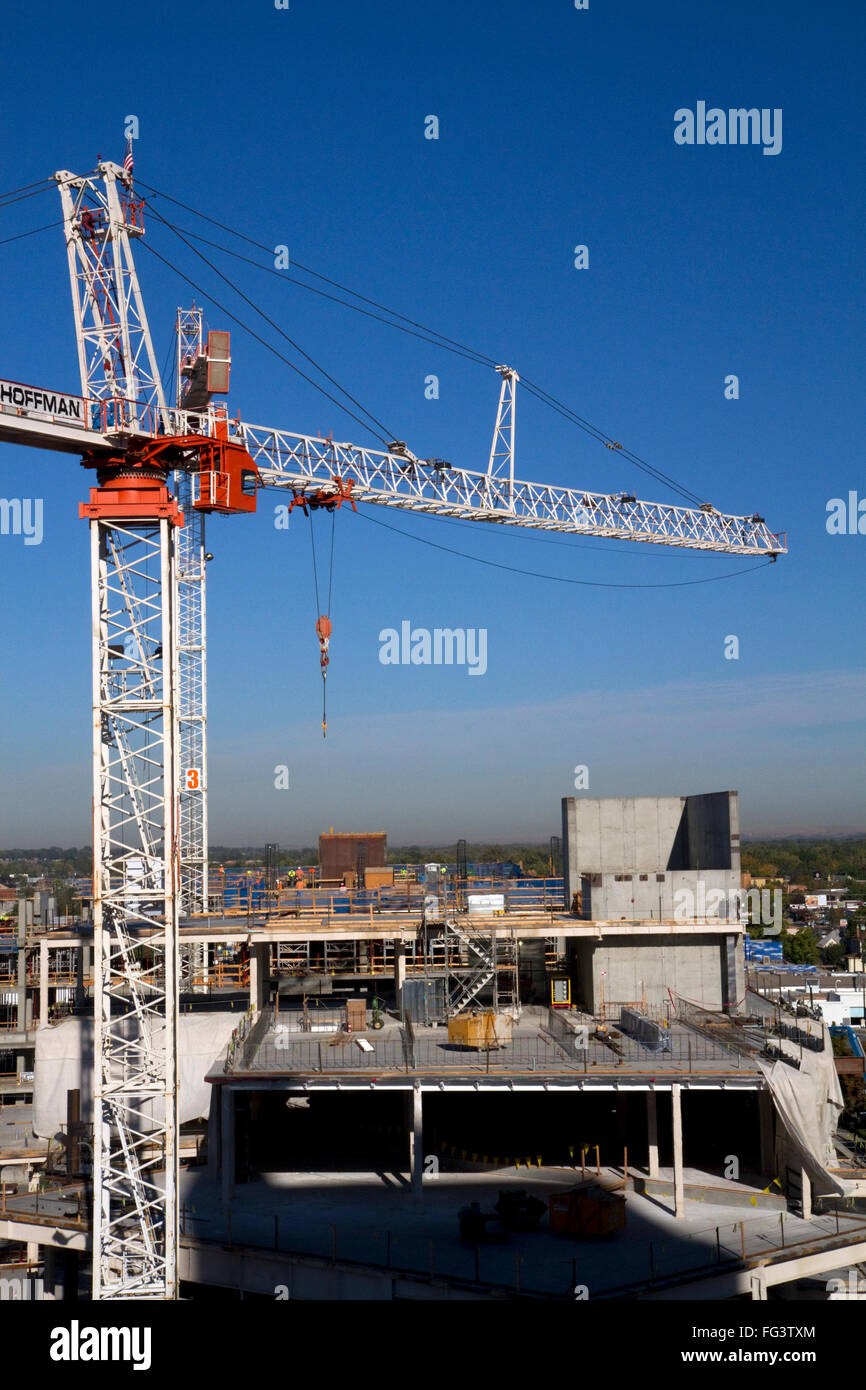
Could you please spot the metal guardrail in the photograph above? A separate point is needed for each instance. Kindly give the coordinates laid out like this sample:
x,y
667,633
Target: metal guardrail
x,y
681,1257
290,1053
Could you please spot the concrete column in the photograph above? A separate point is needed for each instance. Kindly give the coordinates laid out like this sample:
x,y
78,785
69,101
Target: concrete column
x,y
399,972
43,983
679,1193
49,1273
416,1139
70,1275
84,967
765,1112
21,988
806,1188
213,1134
227,1145
73,1131
759,1288
260,956
652,1126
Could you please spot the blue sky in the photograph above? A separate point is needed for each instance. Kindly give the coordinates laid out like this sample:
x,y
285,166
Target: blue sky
x,y
305,127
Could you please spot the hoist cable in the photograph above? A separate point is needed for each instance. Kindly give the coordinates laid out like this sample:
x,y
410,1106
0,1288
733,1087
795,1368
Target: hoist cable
x,y
315,570
331,570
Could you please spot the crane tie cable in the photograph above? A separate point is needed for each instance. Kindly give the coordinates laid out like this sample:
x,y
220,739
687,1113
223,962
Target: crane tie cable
x,y
558,578
259,339
231,284
439,339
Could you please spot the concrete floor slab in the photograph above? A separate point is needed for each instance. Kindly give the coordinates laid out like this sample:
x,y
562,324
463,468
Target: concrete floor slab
x,y
374,1218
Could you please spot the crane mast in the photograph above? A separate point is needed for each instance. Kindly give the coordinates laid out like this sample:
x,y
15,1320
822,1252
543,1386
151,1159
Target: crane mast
x,y
192,657
148,567
133,520
135,899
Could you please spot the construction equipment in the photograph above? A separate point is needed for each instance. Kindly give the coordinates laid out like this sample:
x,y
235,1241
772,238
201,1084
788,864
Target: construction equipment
x,y
160,470
475,1225
518,1211
323,632
587,1210
484,1029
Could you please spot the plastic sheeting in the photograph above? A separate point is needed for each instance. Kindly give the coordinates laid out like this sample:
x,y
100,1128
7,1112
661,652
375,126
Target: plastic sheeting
x,y
809,1102
64,1061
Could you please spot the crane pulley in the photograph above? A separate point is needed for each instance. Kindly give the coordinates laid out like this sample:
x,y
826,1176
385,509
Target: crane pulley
x,y
327,498
323,632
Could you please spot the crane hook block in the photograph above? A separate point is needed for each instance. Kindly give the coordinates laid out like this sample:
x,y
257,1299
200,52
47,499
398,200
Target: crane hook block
x,y
323,632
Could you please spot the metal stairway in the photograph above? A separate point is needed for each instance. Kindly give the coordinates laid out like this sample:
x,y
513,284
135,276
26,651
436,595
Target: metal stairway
x,y
478,952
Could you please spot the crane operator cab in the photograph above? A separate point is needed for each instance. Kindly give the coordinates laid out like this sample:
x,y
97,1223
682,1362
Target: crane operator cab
x,y
227,479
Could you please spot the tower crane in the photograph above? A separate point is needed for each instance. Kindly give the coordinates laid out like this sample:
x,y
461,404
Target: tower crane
x,y
160,470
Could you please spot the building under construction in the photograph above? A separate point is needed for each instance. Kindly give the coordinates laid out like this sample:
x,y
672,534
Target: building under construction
x,y
369,1088
426,1087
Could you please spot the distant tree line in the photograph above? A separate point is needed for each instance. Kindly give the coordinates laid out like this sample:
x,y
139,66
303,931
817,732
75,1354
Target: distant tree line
x,y
803,859
534,858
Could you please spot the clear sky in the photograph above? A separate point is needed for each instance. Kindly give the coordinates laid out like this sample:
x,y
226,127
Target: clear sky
x,y
306,127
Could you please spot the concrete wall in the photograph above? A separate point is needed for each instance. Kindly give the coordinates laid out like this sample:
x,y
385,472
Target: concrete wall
x,y
653,835
644,967
612,834
636,896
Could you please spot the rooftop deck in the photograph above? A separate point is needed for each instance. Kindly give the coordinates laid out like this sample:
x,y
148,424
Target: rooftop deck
x,y
543,1045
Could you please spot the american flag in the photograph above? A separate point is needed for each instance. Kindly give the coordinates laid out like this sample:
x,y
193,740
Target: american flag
x,y
128,161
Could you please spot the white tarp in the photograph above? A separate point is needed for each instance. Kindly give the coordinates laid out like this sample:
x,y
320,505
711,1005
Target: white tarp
x,y
809,1102
64,1061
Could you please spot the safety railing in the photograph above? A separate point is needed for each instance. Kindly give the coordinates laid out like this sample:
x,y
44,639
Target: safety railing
x,y
309,900
290,1052
728,1246
223,976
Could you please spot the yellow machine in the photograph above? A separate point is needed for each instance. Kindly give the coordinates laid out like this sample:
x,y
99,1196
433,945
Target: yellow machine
x,y
480,1030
